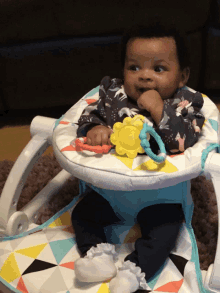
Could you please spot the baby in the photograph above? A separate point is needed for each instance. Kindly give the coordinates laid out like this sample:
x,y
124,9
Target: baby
x,y
155,71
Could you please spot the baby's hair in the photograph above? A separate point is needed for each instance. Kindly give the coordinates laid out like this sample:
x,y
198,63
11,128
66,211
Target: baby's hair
x,y
156,29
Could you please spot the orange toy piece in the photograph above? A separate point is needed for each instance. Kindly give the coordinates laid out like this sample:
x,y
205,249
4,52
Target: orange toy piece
x,y
81,145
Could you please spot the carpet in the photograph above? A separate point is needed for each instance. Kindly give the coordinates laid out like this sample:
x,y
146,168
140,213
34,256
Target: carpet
x,y
204,222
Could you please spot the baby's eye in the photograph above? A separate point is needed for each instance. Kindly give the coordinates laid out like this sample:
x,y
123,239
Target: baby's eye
x,y
159,68
133,68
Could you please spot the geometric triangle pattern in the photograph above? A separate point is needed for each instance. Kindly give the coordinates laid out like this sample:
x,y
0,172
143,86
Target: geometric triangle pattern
x,y
43,261
38,265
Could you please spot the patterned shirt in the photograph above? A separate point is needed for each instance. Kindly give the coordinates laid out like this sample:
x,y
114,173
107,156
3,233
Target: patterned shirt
x,y
179,127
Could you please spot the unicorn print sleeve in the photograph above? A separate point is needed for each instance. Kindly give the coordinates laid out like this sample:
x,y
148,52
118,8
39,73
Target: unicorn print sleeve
x,y
182,121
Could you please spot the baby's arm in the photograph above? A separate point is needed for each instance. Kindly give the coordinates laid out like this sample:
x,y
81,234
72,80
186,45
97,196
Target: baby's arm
x,y
180,130
94,121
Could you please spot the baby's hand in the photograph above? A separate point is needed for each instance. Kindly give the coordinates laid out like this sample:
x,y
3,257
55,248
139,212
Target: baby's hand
x,y
149,100
99,135
153,103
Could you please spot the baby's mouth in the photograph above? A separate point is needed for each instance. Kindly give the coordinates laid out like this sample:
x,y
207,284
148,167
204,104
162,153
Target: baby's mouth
x,y
142,90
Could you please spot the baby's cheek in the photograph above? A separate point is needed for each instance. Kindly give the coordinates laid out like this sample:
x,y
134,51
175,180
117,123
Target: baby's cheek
x,y
126,89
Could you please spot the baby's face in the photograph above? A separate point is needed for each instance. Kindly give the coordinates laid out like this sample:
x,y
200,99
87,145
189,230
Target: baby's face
x,y
152,64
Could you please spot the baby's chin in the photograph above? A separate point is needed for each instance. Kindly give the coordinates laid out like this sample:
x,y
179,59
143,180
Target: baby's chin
x,y
134,95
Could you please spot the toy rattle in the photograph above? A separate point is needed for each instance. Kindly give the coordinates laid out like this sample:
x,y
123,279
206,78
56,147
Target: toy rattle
x,y
130,137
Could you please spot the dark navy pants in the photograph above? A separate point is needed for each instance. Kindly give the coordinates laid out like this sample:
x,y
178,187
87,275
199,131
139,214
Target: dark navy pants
x,y
159,226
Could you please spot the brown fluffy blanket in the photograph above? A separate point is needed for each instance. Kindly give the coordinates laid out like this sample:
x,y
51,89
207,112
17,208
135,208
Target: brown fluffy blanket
x,y
205,218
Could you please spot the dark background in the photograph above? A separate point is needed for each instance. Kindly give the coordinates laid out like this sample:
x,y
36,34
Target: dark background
x,y
52,52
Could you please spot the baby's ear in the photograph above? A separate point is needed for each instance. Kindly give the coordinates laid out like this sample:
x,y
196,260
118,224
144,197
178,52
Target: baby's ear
x,y
184,77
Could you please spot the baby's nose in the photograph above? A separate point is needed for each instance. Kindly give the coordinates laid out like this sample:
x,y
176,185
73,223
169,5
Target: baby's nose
x,y
146,74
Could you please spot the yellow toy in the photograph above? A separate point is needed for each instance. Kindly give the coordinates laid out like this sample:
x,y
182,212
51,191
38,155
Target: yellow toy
x,y
126,136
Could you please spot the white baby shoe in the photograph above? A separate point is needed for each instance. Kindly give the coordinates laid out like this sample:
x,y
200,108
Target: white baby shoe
x,y
128,280
98,265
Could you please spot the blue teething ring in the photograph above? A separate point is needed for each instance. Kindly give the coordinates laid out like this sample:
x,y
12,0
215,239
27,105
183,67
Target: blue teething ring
x,y
146,145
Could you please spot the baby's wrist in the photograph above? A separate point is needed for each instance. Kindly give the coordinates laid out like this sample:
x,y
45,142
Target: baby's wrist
x,y
91,126
95,125
157,113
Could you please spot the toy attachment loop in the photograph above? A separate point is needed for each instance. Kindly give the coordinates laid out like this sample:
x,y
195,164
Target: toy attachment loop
x,y
146,145
80,144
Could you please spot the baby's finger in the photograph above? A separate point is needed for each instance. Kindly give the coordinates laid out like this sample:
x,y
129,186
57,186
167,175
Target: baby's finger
x,y
140,104
88,141
91,139
109,136
97,140
109,142
105,137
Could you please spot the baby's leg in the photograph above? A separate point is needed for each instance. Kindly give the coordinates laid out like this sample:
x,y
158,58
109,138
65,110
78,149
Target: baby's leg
x,y
160,226
89,217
